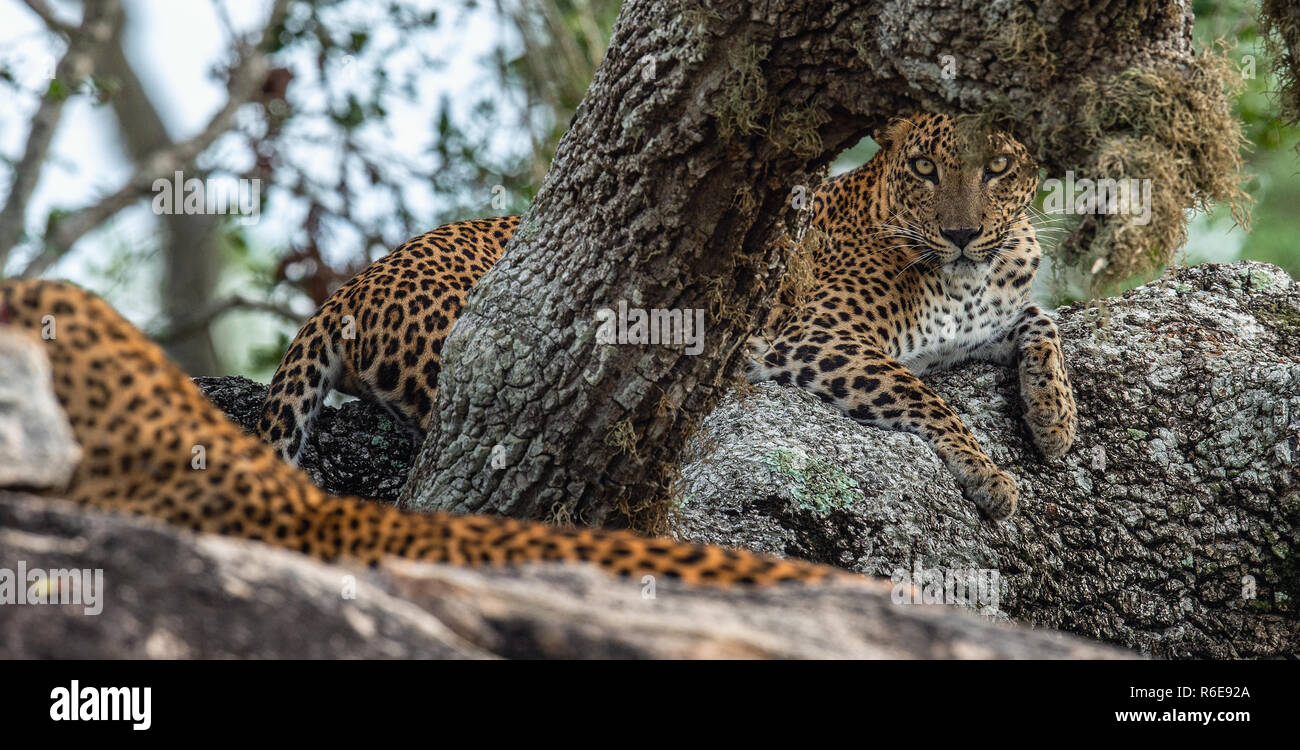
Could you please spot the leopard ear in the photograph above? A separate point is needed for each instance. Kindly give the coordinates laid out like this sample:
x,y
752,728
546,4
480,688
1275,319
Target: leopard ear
x,y
893,133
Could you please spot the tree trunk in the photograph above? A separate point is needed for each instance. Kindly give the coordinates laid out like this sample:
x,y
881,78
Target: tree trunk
x,y
667,192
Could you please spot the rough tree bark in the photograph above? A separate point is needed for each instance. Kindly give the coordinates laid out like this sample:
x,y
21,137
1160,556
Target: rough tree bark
x,y
1172,527
666,192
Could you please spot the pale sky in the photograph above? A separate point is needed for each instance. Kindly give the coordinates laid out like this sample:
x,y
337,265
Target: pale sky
x,y
173,46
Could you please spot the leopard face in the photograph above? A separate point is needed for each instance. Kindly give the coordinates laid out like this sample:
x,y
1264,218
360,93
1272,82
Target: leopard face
x,y
925,259
954,199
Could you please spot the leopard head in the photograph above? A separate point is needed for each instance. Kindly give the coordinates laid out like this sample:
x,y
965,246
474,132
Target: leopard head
x,y
951,199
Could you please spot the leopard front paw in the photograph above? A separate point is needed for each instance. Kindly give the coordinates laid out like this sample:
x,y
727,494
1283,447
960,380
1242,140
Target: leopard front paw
x,y
1049,411
1053,438
996,495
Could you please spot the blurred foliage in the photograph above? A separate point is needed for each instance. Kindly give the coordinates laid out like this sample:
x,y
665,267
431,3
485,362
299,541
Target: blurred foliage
x,y
486,155
563,42
1271,159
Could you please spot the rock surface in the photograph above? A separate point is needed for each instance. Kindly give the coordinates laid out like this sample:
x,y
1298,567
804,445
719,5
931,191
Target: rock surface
x,y
37,447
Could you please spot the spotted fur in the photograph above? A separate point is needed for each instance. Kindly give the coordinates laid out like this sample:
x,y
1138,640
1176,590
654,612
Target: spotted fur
x,y
155,446
917,272
379,337
926,258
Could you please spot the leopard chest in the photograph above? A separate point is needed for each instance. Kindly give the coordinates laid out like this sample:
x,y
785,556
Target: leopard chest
x,y
957,313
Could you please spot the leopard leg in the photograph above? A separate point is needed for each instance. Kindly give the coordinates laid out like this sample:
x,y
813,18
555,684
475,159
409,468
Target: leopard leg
x,y
1034,346
873,388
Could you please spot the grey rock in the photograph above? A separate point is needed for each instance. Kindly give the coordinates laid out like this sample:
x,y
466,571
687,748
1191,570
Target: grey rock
x,y
37,447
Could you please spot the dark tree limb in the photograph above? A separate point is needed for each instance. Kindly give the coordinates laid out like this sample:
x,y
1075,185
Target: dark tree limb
x,y
170,594
189,323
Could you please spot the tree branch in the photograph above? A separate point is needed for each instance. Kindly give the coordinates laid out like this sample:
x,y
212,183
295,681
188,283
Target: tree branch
x,y
47,16
1172,527
77,63
200,320
245,82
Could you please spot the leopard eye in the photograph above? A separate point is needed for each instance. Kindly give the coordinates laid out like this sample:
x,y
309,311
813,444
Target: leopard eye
x,y
998,165
923,167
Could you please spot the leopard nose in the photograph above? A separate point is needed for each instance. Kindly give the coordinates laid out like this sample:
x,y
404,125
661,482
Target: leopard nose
x,y
960,237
